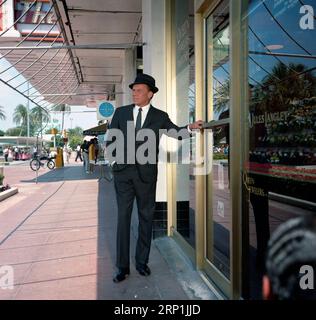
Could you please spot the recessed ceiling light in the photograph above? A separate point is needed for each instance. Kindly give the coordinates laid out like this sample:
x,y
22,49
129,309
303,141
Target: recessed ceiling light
x,y
275,47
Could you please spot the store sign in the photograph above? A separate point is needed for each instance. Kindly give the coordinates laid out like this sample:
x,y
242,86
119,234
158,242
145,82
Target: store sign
x,y
267,118
35,14
105,110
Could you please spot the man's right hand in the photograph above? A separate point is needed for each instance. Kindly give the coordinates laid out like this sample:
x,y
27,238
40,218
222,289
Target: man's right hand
x,y
196,125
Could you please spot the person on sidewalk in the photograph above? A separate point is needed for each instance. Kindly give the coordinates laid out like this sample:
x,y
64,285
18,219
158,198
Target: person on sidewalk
x,y
85,153
6,154
135,179
66,154
16,154
78,155
96,150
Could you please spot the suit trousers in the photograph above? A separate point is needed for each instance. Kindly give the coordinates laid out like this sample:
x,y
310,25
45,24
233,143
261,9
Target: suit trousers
x,y
128,186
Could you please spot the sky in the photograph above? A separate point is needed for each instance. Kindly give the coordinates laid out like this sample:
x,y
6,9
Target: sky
x,y
80,116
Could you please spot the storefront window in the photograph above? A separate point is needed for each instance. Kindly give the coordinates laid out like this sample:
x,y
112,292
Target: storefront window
x,y
185,104
280,154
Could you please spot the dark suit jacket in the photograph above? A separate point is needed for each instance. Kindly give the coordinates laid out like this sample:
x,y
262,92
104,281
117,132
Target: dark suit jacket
x,y
156,119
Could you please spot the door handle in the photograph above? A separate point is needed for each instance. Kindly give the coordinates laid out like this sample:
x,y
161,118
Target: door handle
x,y
216,123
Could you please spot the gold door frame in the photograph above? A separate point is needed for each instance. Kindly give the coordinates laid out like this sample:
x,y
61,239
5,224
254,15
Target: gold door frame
x,y
172,108
232,288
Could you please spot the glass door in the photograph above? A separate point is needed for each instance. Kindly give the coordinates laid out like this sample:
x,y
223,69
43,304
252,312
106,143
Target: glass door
x,y
218,194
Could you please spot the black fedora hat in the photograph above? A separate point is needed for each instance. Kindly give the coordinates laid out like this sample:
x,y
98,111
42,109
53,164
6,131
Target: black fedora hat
x,y
143,78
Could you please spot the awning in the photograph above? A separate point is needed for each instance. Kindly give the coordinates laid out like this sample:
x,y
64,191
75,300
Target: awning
x,y
95,131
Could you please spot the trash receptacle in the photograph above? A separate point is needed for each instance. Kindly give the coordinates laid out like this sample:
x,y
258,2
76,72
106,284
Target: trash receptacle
x,y
59,158
91,157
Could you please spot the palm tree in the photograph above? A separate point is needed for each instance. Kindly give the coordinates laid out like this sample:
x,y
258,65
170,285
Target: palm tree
x,y
38,116
2,114
20,116
63,108
221,97
284,85
290,89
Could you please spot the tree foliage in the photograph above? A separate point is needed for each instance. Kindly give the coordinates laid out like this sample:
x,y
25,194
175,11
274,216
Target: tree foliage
x,y
39,118
63,108
75,137
17,131
2,113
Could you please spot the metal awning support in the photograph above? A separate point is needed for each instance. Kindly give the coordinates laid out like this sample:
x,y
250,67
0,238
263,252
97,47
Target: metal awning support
x,y
47,77
119,46
30,66
73,94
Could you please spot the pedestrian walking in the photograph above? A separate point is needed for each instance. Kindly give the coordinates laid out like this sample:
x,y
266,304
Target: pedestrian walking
x,y
78,151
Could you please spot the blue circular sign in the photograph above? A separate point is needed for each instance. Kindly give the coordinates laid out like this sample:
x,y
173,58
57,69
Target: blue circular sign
x,y
106,109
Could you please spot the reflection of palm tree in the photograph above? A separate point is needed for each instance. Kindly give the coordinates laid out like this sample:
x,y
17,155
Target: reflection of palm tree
x,y
20,116
283,86
62,108
38,116
2,114
221,97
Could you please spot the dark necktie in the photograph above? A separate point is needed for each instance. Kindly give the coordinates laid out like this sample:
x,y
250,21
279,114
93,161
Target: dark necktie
x,y
139,120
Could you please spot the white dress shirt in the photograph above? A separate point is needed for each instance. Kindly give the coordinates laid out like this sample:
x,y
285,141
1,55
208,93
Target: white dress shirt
x,y
145,110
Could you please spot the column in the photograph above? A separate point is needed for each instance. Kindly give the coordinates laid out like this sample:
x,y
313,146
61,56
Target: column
x,y
154,57
129,70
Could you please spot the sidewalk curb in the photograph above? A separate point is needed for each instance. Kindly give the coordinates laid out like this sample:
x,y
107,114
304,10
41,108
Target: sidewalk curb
x,y
8,193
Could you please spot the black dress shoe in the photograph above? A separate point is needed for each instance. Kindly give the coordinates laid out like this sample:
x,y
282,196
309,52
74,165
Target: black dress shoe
x,y
122,274
143,270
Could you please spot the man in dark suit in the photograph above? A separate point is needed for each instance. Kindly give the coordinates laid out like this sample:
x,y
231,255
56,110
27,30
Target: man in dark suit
x,y
134,177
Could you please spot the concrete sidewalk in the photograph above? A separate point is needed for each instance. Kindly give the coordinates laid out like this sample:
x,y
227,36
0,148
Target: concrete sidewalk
x,y
59,237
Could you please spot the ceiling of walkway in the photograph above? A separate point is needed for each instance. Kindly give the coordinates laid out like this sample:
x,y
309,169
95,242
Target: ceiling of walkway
x,y
116,23
75,75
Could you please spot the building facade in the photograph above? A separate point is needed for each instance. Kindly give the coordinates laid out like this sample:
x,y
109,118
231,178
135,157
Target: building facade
x,y
248,69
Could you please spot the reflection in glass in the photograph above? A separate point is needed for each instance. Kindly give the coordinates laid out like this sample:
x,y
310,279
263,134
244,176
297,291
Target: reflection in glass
x,y
280,167
218,191
220,65
219,215
185,97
